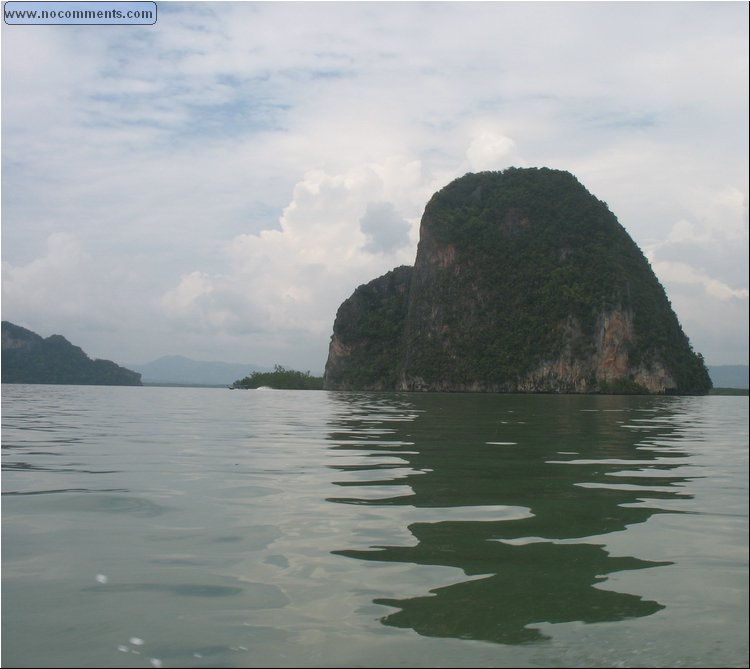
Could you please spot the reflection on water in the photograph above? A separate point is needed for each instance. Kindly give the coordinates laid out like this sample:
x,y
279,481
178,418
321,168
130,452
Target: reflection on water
x,y
573,469
298,528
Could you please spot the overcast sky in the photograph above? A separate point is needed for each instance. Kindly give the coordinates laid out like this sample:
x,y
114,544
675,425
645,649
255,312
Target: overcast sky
x,y
216,184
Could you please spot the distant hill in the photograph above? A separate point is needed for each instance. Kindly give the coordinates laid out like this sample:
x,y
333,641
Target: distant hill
x,y
729,376
176,369
28,358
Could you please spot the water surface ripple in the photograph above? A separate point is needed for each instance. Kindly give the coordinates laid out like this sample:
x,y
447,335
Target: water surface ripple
x,y
184,527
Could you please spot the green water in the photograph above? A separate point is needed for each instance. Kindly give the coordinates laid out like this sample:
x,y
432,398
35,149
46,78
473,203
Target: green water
x,y
208,528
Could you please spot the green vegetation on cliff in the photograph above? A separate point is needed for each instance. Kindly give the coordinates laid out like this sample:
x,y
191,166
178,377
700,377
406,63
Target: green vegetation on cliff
x,y
28,358
370,333
280,379
523,281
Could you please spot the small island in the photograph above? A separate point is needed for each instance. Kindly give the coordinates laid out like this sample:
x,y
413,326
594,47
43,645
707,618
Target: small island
x,y
280,379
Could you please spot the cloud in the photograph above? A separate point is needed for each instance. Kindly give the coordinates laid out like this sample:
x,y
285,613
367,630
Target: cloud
x,y
384,228
707,247
193,303
676,272
288,282
489,151
217,184
69,290
715,320
58,277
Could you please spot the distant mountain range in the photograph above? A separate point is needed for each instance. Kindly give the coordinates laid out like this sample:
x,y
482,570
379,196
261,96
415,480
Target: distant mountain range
x,y
729,376
179,370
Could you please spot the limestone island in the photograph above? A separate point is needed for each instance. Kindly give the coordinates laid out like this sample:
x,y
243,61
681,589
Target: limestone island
x,y
523,282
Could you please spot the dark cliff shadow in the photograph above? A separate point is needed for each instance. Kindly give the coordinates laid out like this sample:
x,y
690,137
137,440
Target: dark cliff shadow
x,y
573,468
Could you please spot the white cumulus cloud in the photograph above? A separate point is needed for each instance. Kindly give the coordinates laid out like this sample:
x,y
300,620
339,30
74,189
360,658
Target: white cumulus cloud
x,y
490,151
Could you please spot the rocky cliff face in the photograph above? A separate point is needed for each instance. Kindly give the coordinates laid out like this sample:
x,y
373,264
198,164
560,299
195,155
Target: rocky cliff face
x,y
523,282
608,368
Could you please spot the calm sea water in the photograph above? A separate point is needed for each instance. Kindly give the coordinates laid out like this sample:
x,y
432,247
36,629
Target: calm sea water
x,y
213,528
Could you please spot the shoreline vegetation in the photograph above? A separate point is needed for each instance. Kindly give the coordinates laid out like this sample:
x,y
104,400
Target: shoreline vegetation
x,y
289,379
279,379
